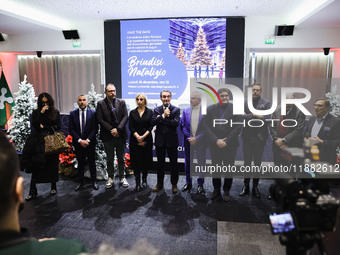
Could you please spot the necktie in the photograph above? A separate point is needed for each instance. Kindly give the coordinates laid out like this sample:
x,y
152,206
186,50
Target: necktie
x,y
82,122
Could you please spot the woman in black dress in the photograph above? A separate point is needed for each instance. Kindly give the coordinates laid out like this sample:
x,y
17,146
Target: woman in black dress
x,y
44,168
141,140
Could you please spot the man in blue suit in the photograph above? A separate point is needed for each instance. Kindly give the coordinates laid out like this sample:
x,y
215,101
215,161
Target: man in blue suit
x,y
83,128
191,126
166,119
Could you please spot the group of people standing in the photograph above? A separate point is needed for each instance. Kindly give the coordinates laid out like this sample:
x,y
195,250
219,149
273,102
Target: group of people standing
x,y
200,134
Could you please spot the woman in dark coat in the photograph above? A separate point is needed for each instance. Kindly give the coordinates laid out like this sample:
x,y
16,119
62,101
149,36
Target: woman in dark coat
x,y
141,140
44,168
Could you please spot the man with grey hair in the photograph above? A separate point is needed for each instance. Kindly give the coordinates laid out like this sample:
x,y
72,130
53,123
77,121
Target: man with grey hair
x,y
194,140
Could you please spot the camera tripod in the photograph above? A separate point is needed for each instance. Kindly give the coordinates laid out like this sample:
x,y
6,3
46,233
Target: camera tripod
x,y
301,243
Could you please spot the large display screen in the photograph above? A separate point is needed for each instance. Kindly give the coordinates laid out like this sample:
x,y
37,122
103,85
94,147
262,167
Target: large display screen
x,y
165,53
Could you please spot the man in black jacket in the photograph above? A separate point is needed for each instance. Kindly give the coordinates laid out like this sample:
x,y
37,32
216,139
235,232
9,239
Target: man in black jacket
x,y
166,118
286,135
112,116
222,140
254,138
83,129
324,128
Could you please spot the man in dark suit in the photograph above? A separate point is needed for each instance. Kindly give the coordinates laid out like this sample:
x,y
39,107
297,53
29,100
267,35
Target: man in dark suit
x,y
222,140
254,138
324,128
112,116
83,128
194,141
166,119
290,136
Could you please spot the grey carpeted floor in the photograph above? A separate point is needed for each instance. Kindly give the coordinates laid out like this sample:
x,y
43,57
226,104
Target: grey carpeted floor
x,y
186,223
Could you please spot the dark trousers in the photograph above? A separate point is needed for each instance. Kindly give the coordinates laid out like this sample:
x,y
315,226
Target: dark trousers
x,y
189,154
224,156
82,154
252,148
117,144
173,155
278,160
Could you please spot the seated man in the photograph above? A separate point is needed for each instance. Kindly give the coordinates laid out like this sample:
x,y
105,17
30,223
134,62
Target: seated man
x,y
13,239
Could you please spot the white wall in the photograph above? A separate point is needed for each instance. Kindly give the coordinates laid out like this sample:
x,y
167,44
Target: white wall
x,y
91,38
256,30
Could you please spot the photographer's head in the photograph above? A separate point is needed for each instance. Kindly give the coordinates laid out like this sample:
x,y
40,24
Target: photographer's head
x,y
11,186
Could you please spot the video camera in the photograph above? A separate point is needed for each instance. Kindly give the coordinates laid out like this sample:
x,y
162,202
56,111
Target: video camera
x,y
305,207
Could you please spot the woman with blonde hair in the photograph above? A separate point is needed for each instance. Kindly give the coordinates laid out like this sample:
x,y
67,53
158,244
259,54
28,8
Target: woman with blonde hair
x,y
140,140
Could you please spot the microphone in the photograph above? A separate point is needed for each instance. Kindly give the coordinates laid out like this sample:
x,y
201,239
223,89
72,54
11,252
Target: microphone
x,y
166,105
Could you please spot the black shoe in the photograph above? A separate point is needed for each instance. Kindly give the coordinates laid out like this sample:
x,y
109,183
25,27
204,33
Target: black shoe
x,y
174,189
32,194
187,187
157,188
138,187
215,194
200,189
226,196
245,191
53,189
80,185
144,183
256,192
95,186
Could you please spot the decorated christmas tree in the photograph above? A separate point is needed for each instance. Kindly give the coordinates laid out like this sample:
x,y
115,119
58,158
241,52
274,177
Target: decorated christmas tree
x,y
93,98
334,99
180,54
201,54
25,103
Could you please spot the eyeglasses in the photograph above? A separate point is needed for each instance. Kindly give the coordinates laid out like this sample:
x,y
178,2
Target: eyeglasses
x,y
224,96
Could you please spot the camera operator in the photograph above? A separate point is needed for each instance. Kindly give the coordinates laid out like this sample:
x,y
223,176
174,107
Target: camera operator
x,y
324,128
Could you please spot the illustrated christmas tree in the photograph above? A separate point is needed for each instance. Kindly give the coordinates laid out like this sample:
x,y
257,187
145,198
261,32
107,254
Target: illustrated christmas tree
x,y
181,55
334,100
93,97
25,103
201,53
